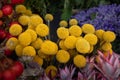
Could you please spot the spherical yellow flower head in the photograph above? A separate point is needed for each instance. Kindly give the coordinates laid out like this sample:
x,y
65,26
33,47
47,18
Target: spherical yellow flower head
x,y
42,30
75,30
82,46
12,43
106,46
79,61
15,29
51,70
37,43
42,55
31,27
28,12
38,60
99,33
62,56
49,47
88,28
70,42
25,38
62,32
35,20
63,23
48,17
18,50
20,8
24,20
28,51
91,48
73,22
61,44
91,38
32,33
109,36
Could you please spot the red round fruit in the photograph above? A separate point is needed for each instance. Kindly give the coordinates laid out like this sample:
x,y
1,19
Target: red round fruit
x,y
7,52
2,34
1,75
17,1
9,75
7,9
17,68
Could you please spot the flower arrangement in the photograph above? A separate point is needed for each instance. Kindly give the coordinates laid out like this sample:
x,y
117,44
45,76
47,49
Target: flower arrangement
x,y
80,52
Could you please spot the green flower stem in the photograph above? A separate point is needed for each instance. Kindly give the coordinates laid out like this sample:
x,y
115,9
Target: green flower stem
x,y
48,23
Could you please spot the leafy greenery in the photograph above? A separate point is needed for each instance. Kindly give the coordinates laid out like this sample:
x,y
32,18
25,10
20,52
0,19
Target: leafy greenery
x,y
66,7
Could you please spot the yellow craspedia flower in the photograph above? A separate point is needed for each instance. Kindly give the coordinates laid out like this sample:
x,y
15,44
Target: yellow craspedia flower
x,y
70,42
99,33
75,30
38,60
88,28
49,47
18,50
106,46
48,17
42,55
63,23
12,43
91,38
73,22
109,36
32,33
82,46
37,43
20,8
62,56
91,48
62,32
79,61
61,44
24,20
25,38
51,69
28,51
15,29
42,30
28,12
31,27
35,20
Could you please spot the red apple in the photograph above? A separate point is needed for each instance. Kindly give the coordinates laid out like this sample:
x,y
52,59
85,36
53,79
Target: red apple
x,y
7,52
17,1
17,68
9,75
1,75
7,9
2,34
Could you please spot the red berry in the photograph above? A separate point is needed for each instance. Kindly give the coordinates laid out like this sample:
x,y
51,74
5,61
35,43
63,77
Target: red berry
x,y
2,34
17,1
9,75
7,9
7,52
17,68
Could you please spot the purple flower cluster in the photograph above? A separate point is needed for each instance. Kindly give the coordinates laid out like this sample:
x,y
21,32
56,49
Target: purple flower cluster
x,y
105,17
